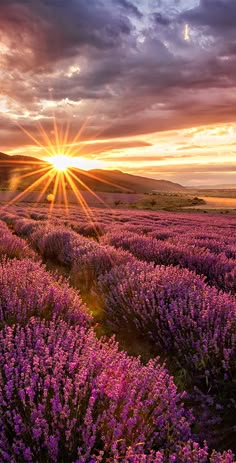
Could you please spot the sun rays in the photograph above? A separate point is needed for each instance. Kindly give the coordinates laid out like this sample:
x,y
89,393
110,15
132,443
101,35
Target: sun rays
x,y
60,172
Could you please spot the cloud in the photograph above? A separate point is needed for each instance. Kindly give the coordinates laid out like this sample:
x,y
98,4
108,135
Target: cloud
x,y
161,19
108,147
219,15
130,7
191,174
43,32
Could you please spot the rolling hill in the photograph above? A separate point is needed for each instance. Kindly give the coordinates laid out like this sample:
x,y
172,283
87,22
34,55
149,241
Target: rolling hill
x,y
13,167
134,183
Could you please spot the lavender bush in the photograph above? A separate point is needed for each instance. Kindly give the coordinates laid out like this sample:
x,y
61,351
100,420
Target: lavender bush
x,y
25,227
219,269
26,289
13,246
95,262
183,316
60,244
64,396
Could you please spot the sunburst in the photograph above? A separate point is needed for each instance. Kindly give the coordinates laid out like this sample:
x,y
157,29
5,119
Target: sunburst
x,y
60,170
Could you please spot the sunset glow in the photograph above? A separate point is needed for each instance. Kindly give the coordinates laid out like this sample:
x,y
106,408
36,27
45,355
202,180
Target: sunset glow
x,y
62,162
59,171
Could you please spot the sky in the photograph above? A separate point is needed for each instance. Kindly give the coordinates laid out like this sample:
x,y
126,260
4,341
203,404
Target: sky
x,y
148,86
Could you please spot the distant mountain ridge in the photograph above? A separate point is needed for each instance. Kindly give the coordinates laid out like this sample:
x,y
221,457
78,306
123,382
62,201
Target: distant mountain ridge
x,y
137,183
220,186
19,157
96,179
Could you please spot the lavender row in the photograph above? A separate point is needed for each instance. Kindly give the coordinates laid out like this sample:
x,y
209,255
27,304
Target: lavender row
x,y
219,270
64,396
188,320
27,289
85,258
175,223
158,225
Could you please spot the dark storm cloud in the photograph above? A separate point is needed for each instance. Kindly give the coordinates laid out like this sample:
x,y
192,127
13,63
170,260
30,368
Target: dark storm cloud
x,y
219,15
130,59
51,30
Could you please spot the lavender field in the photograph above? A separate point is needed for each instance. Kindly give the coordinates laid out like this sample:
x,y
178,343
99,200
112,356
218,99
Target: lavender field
x,y
118,336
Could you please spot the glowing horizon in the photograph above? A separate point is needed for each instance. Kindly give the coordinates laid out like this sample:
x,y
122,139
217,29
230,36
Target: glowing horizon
x,y
173,155
62,162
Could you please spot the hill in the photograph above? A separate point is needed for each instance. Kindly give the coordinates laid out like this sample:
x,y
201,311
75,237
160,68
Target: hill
x,y
136,183
13,167
17,158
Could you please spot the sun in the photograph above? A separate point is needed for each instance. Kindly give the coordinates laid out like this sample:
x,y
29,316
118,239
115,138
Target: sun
x,y
61,162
